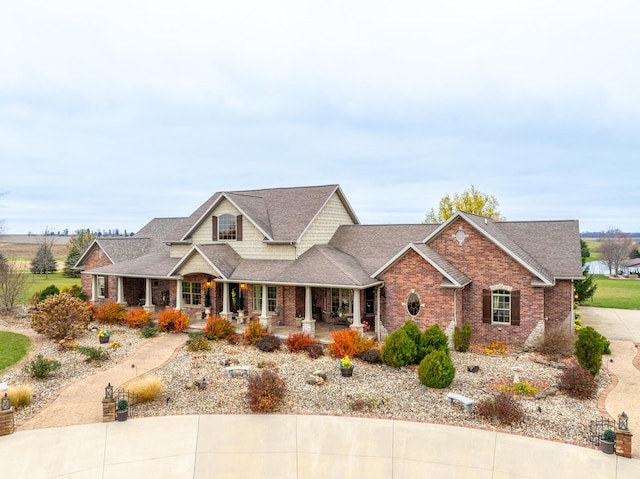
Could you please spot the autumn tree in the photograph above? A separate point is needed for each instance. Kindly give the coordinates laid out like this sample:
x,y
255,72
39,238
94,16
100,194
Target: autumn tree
x,y
615,246
469,201
75,249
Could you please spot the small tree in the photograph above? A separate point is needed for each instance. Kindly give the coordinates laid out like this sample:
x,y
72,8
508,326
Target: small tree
x,y
44,262
462,337
398,349
589,348
13,284
615,246
436,370
75,249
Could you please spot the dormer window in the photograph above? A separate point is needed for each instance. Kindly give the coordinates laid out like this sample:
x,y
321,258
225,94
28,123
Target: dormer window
x,y
227,228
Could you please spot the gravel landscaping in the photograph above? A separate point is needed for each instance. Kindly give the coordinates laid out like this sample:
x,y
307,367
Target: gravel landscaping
x,y
197,383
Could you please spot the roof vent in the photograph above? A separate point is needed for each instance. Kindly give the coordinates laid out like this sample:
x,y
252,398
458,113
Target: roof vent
x,y
485,221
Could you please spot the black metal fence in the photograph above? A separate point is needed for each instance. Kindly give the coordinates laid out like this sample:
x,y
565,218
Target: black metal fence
x,y
130,397
597,427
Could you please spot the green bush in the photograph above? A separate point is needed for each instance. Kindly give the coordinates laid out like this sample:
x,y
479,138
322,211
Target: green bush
x,y
398,349
93,354
413,331
589,347
149,332
462,337
198,342
433,339
436,370
48,291
42,367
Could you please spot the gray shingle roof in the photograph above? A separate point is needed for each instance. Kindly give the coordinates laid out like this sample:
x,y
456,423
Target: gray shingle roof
x,y
453,276
222,256
157,265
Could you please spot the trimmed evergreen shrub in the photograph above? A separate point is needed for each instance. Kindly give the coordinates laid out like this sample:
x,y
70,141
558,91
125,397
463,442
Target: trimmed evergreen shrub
x,y
42,367
589,347
48,291
436,370
462,337
413,331
433,339
398,349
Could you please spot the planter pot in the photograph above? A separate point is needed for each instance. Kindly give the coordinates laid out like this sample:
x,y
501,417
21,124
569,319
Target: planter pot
x,y
122,415
346,372
104,339
606,447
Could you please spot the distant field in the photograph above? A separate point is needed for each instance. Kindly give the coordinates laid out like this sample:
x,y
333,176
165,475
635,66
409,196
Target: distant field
x,y
37,282
616,293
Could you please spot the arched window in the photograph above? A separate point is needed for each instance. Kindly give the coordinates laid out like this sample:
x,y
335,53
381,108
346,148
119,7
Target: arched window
x,y
413,304
227,227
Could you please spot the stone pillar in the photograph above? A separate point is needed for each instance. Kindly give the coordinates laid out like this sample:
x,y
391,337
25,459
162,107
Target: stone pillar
x,y
623,443
7,422
178,294
226,314
108,410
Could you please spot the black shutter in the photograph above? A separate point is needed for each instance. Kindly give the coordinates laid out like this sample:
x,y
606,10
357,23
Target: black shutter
x,y
515,308
486,306
239,228
214,227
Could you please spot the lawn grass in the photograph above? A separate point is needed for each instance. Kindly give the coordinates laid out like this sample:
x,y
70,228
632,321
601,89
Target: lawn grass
x,y
37,282
13,347
594,249
616,293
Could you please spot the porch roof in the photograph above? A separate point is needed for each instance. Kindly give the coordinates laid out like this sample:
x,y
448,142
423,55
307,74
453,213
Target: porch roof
x,y
156,265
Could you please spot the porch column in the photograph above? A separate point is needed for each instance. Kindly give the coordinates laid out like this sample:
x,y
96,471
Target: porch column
x,y
148,302
265,319
377,317
357,322
179,294
225,302
120,292
94,288
308,323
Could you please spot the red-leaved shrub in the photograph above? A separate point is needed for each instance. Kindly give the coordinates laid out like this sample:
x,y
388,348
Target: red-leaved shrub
x,y
578,382
348,342
502,408
172,320
299,342
265,391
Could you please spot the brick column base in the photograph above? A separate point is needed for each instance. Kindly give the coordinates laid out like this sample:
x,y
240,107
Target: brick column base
x,y
108,410
623,443
7,422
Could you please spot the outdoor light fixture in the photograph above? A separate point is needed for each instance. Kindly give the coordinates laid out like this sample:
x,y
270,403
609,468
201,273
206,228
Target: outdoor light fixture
x,y
6,402
108,391
243,286
209,282
623,422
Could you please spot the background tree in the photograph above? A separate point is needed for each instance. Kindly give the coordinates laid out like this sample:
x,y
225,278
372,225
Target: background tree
x,y
13,284
615,246
44,261
470,201
76,248
585,288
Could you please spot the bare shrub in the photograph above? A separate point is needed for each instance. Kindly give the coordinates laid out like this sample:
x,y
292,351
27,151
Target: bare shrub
x,y
13,284
556,343
578,382
266,391
503,409
61,316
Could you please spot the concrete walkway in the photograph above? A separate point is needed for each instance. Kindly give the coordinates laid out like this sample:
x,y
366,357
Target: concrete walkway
x,y
79,403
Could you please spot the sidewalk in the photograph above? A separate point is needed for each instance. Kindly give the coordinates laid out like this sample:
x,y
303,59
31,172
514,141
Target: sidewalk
x,y
79,403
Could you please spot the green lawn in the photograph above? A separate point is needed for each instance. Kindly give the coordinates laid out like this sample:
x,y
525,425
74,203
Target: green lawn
x,y
594,246
37,282
616,293
13,347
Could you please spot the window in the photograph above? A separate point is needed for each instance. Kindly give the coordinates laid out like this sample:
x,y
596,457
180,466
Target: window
x,y
272,298
341,301
102,287
191,293
413,304
500,305
227,227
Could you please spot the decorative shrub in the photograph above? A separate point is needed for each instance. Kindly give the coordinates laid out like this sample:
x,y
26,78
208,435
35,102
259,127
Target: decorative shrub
x,y
75,290
433,339
136,317
348,342
269,344
503,409
496,348
42,367
20,395
589,347
48,291
198,342
413,331
253,333
266,391
398,349
218,328
315,351
609,435
111,312
299,342
578,382
462,337
521,388
556,343
149,331
146,388
234,338
172,320
61,317
436,370
93,354
371,356
122,405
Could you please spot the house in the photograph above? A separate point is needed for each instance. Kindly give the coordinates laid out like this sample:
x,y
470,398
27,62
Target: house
x,y
297,256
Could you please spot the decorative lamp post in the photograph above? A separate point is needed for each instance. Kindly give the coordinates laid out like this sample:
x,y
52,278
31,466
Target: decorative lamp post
x,y
108,391
623,422
6,403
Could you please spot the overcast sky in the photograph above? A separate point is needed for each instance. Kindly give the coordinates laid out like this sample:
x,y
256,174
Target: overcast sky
x,y
112,113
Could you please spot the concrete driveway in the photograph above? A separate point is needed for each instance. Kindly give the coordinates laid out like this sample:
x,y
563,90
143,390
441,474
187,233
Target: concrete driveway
x,y
613,324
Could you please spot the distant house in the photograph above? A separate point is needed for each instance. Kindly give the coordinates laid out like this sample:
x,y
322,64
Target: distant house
x,y
297,256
